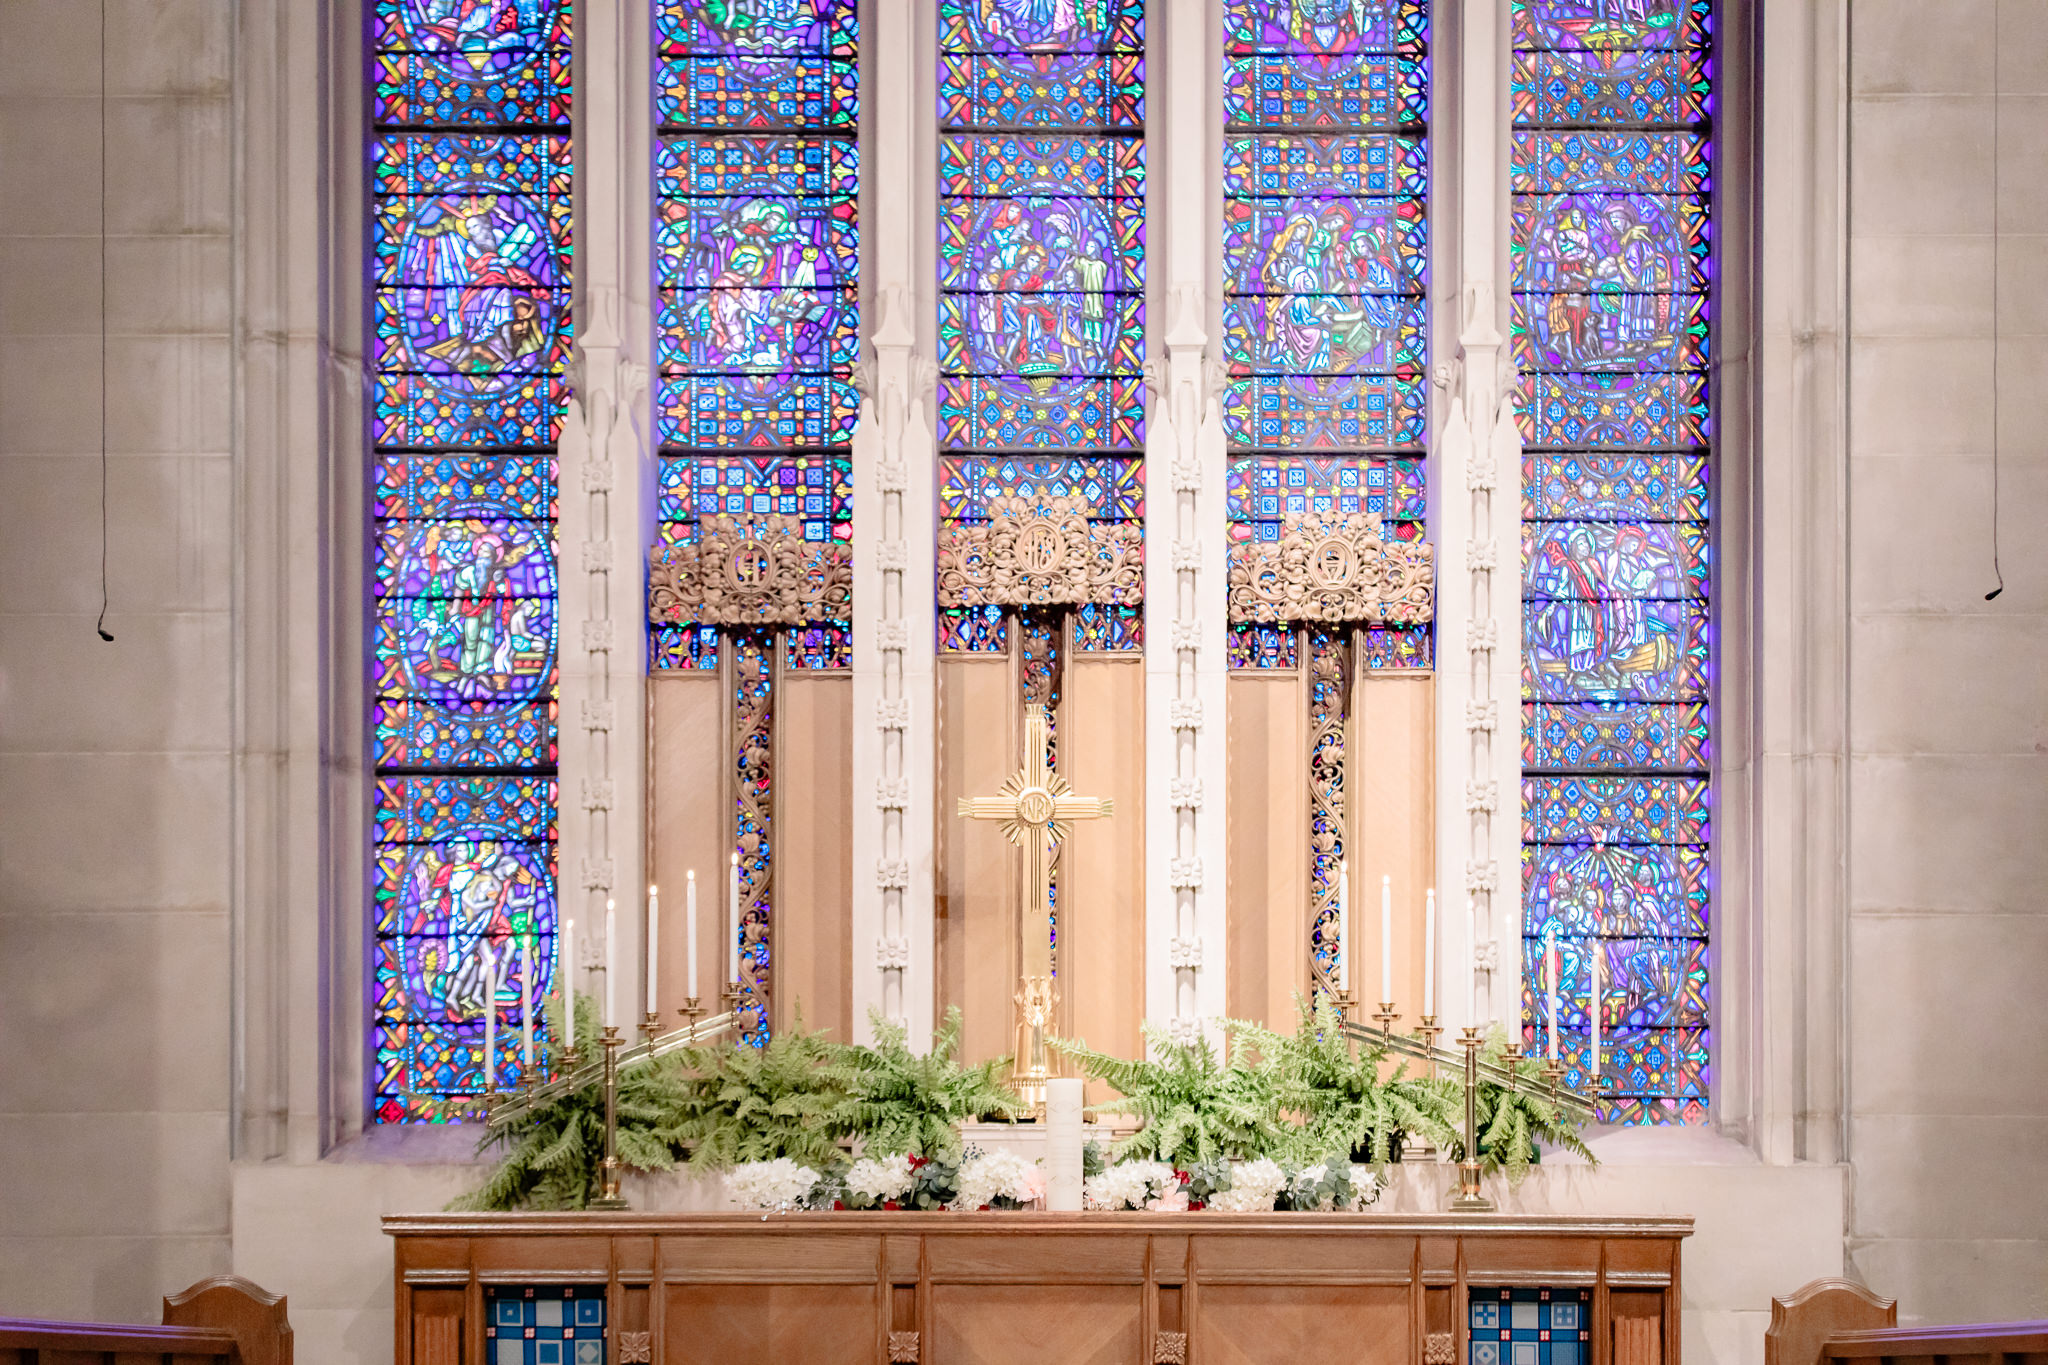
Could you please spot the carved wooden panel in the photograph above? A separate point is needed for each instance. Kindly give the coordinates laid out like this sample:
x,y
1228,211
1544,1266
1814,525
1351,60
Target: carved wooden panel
x,y
1040,552
1013,1324
751,571
1332,568
1259,1324
735,1324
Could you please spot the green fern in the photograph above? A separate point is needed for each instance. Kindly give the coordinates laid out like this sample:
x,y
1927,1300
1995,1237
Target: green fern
x,y
1195,1110
901,1101
1334,1090
554,1148
738,1102
1512,1121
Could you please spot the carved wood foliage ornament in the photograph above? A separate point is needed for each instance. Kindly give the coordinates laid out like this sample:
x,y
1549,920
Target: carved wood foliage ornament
x,y
1332,568
751,571
1041,552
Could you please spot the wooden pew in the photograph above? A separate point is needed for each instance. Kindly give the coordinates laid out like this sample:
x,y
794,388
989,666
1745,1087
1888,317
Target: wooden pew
x,y
1835,1322
221,1321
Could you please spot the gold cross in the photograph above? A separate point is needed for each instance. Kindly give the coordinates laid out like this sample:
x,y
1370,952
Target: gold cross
x,y
1038,810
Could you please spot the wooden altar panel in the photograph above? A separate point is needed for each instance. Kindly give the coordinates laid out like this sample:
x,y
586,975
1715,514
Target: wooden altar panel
x,y
1266,900
735,1289
1390,771
987,1324
687,822
727,1323
814,851
974,909
1102,868
1247,1324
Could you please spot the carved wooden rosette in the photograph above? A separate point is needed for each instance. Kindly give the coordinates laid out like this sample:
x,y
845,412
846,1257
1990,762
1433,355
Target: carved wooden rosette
x,y
751,571
1041,552
1332,568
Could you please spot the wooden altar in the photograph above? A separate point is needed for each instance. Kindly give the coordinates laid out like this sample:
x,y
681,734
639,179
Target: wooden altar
x,y
979,1289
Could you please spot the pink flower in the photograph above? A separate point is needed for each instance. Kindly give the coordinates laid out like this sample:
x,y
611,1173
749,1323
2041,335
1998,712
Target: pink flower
x,y
1030,1186
1177,1202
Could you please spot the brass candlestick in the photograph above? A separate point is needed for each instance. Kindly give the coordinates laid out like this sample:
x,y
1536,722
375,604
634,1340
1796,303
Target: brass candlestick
x,y
650,1027
1428,1032
1386,1014
692,1007
1468,1198
608,1196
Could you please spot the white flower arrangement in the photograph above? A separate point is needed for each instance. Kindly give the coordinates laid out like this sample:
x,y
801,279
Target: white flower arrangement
x,y
881,1179
986,1177
1254,1187
1136,1185
777,1184
1365,1186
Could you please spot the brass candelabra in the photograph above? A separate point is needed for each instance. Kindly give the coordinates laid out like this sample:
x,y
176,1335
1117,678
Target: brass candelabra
x,y
608,1196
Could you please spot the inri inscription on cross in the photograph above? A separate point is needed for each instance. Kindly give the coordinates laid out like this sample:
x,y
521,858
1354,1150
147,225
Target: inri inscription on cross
x,y
1037,810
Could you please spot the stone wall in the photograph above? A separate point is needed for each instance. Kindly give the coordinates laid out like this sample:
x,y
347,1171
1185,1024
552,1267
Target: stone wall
x,y
1948,940
114,758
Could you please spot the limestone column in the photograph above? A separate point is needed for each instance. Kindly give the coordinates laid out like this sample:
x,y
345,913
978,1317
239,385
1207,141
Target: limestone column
x,y
894,536
1185,550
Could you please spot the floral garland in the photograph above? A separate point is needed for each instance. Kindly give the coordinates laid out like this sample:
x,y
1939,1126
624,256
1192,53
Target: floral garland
x,y
1005,1180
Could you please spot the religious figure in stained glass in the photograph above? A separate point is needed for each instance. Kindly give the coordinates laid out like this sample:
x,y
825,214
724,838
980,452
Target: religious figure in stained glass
x,y
1611,175
470,241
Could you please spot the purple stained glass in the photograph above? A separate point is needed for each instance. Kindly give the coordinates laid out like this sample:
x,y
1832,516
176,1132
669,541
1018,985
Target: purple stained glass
x,y
1326,272
468,251
818,649
785,65
1264,646
1647,560
1112,486
1564,736
973,630
1661,888
1614,486
1102,629
1579,808
678,648
1614,649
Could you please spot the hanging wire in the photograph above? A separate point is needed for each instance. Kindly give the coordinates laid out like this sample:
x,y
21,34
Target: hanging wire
x,y
101,624
1996,104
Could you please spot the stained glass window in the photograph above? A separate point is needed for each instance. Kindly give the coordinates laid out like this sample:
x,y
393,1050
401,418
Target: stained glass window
x,y
1041,271
1613,216
757,330
1325,275
469,255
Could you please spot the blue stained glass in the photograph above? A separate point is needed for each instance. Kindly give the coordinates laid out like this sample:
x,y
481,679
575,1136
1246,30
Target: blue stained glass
x,y
1326,273
544,1325
467,252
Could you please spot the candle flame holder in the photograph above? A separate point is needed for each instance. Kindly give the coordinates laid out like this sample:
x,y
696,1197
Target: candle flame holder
x,y
1468,1198
608,1196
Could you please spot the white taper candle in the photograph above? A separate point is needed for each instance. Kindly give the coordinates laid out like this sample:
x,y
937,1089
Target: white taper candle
x,y
526,1002
1429,953
1593,965
732,928
1550,990
1344,934
567,979
653,940
690,931
490,966
1472,971
611,963
1386,940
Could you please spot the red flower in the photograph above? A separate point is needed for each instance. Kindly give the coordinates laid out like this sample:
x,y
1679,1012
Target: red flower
x,y
915,1161
837,1205
1196,1206
1181,1176
891,1204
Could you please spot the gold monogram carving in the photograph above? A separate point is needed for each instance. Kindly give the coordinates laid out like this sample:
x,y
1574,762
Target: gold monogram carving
x,y
751,571
1040,552
1332,568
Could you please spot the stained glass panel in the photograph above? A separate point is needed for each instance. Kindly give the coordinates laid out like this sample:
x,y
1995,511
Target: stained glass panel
x,y
468,251
1326,272
1613,331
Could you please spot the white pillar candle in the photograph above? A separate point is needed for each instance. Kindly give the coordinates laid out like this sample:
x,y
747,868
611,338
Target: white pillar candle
x,y
1550,991
690,931
490,966
611,963
567,979
526,1002
1593,1006
1344,924
1063,1144
1472,976
1429,953
653,939
732,928
1386,940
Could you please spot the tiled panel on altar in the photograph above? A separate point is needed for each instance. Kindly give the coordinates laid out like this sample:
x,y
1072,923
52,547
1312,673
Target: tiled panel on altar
x,y
535,1325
